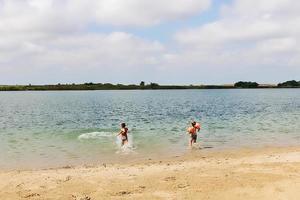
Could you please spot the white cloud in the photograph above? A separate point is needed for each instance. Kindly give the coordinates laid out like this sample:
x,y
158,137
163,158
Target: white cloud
x,y
54,35
58,15
117,49
249,34
143,12
250,38
79,57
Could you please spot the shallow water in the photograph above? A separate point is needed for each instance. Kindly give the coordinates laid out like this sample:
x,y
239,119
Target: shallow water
x,y
42,129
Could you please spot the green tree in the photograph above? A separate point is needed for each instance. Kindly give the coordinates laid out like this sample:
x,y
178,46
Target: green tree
x,y
154,86
142,84
243,84
291,83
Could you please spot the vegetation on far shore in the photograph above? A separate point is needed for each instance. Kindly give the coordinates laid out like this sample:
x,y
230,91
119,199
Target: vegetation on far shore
x,y
290,84
142,86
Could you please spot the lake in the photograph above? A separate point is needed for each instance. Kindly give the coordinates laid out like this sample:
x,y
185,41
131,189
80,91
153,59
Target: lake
x,y
57,128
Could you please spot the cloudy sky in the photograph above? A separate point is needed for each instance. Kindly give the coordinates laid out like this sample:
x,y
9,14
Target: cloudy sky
x,y
164,41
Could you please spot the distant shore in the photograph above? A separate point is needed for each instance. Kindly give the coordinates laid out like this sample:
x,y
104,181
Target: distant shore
x,y
143,86
267,173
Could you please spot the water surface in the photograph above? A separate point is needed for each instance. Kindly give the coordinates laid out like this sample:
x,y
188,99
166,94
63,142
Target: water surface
x,y
42,129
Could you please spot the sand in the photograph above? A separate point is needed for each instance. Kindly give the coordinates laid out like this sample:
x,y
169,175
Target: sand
x,y
267,173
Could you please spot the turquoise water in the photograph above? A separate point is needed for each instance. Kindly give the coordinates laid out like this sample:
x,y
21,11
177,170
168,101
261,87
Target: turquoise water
x,y
49,129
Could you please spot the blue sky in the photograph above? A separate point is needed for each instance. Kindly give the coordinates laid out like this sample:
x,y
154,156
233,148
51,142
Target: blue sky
x,y
169,42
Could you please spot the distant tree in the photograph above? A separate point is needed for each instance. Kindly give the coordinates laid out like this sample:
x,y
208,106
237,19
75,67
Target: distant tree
x,y
242,84
142,84
291,83
154,86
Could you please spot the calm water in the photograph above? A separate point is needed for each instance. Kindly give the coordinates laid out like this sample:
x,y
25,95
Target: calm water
x,y
42,129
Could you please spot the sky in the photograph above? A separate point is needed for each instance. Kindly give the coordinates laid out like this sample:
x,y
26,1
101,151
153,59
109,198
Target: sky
x,y
163,41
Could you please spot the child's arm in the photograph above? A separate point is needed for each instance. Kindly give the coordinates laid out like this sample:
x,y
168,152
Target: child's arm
x,y
187,131
119,133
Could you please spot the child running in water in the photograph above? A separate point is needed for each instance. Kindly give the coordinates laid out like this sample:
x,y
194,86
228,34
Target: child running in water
x,y
193,132
123,133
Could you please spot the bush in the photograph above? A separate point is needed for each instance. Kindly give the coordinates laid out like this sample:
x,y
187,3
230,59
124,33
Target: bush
x,y
291,83
242,84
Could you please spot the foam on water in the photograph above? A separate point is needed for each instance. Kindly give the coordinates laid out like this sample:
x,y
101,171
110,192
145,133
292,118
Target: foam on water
x,y
95,135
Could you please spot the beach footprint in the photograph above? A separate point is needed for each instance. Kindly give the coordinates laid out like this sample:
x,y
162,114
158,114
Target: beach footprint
x,y
84,197
170,178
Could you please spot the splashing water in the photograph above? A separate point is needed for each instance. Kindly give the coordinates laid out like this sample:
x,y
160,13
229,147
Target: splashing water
x,y
127,148
94,135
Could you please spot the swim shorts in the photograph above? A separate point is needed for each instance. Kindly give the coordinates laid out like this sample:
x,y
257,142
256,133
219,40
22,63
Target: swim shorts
x,y
194,137
124,138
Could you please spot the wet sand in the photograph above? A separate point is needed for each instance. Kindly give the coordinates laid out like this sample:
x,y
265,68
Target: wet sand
x,y
267,173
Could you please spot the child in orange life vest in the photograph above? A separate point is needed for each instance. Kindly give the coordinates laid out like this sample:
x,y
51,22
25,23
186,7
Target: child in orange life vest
x,y
193,132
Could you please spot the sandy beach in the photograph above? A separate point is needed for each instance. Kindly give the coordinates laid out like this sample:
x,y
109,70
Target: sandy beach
x,y
268,173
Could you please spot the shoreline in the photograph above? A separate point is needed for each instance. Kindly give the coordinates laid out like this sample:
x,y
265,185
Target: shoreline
x,y
160,89
144,86
136,158
264,173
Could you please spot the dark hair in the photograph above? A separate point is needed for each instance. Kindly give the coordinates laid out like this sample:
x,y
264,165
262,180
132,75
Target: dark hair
x,y
193,123
123,125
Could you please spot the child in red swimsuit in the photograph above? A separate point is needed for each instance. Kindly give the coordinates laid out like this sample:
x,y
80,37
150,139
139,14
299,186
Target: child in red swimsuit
x,y
123,133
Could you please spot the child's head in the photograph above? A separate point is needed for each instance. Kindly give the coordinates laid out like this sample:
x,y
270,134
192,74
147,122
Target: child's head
x,y
123,125
193,123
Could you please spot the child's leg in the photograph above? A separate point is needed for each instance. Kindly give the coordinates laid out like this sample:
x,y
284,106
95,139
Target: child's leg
x,y
193,140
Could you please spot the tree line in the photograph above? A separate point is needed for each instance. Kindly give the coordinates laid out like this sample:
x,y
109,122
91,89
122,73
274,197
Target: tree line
x,y
142,86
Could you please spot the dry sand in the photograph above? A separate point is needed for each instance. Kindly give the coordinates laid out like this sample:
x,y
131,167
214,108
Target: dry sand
x,y
269,173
